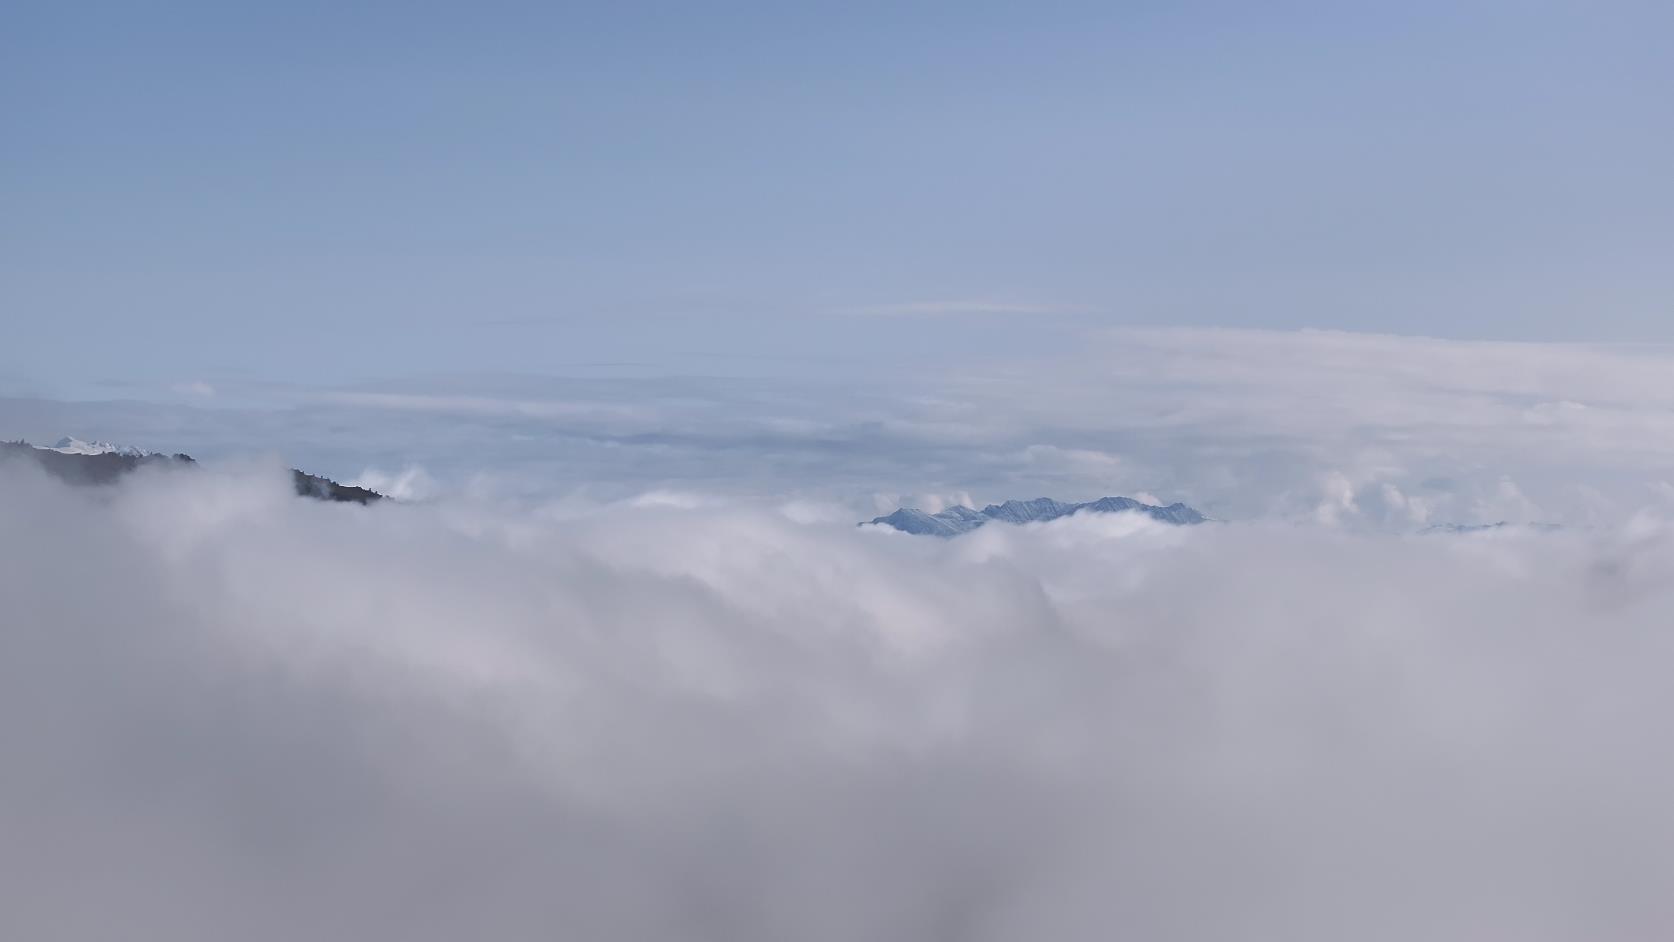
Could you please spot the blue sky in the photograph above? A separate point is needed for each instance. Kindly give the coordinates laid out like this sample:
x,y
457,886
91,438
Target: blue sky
x,y
318,194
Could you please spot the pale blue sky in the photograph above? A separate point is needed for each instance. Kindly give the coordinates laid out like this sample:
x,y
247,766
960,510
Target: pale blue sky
x,y
325,193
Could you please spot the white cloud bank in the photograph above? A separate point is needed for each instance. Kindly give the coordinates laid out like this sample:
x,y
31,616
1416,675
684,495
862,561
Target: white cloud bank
x,y
409,484
228,713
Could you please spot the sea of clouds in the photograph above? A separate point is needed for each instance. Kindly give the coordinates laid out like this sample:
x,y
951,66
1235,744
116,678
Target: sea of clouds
x,y
230,713
1350,430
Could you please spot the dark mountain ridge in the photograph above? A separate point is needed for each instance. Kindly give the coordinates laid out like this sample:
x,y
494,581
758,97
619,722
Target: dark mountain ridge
x,y
108,467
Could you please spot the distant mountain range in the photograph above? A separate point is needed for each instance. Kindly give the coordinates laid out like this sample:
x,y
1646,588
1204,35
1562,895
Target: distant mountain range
x,y
1456,528
95,462
79,462
956,520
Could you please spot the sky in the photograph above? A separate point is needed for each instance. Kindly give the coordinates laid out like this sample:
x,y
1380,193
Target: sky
x,y
313,193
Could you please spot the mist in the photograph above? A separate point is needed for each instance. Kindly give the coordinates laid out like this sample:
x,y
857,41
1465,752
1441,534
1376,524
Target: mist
x,y
230,713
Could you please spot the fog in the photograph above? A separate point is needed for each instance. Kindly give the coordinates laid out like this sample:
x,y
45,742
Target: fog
x,y
229,713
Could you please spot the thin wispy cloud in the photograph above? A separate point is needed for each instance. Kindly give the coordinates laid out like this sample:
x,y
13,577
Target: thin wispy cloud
x,y
968,308
196,389
475,405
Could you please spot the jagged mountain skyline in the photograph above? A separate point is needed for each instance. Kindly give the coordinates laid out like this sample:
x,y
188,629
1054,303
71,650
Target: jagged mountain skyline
x,y
959,519
101,463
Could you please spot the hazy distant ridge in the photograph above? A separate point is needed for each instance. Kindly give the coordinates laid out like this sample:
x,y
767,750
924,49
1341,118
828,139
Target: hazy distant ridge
x,y
956,520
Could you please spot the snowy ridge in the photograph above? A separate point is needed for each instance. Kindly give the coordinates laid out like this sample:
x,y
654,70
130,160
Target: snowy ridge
x,y
69,445
956,520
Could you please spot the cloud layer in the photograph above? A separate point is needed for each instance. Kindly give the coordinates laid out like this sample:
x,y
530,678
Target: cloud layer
x,y
1361,431
229,713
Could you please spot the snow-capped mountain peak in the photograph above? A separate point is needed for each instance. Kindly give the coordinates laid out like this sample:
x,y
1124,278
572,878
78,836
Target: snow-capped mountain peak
x,y
956,520
69,445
